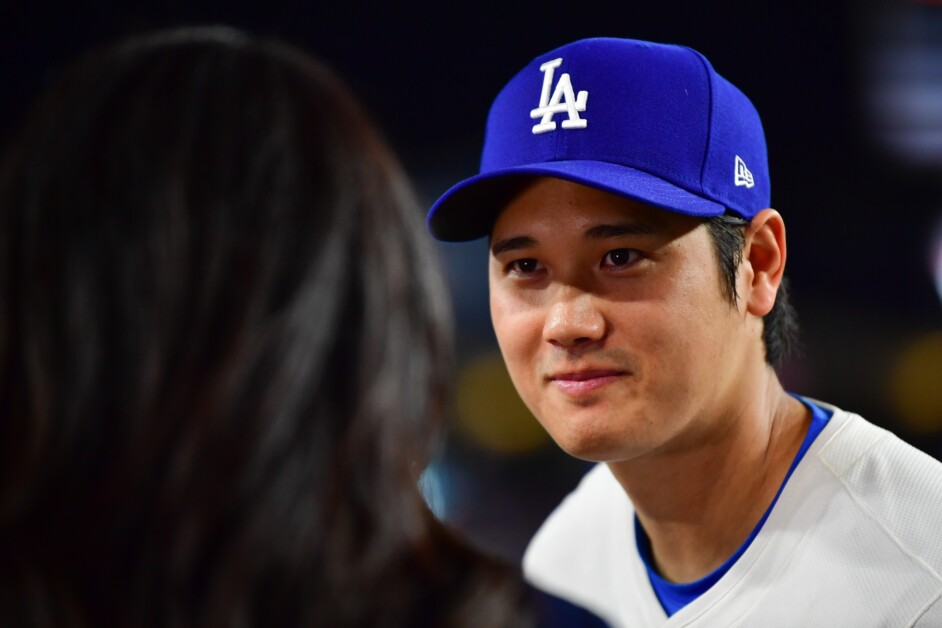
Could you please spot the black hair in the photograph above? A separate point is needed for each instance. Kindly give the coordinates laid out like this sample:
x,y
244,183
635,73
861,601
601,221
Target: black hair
x,y
780,325
224,345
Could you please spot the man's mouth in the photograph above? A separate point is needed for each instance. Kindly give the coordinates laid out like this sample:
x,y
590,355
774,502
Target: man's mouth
x,y
577,383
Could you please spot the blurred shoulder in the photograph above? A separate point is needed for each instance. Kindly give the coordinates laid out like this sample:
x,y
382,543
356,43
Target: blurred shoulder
x,y
555,612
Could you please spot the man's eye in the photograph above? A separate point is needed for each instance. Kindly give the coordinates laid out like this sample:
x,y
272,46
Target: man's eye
x,y
526,266
619,257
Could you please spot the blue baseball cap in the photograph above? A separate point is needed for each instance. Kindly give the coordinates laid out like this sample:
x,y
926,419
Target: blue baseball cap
x,y
652,122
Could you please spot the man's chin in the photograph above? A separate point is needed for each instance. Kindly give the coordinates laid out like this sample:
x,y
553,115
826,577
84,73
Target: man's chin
x,y
592,449
589,435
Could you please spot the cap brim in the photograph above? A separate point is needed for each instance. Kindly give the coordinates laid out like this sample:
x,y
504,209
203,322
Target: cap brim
x,y
467,211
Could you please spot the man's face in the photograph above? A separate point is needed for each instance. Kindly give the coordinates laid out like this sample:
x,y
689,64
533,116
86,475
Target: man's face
x,y
611,319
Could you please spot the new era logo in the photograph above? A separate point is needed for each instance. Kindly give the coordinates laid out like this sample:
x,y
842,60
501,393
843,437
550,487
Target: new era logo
x,y
563,100
743,176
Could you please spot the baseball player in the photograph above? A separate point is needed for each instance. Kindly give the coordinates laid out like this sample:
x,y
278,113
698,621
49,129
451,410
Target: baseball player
x,y
636,290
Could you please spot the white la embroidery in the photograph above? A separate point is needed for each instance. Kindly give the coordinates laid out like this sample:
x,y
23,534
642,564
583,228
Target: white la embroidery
x,y
743,176
549,107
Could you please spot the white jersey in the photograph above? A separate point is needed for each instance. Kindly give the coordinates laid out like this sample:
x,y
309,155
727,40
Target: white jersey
x,y
855,539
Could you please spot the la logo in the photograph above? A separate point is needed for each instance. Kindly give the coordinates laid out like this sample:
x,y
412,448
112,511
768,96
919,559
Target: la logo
x,y
563,100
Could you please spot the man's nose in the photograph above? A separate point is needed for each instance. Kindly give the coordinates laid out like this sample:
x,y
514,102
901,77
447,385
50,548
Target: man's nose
x,y
573,319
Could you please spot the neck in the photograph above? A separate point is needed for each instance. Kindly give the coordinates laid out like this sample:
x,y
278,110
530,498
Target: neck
x,y
698,504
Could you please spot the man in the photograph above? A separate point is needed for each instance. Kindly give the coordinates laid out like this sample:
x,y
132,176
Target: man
x,y
636,289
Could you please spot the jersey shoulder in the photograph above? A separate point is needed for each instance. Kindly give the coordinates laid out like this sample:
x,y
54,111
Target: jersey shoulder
x,y
580,550
579,518
896,484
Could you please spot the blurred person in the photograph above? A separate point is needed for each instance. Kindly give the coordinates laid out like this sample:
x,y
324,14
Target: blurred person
x,y
225,350
637,294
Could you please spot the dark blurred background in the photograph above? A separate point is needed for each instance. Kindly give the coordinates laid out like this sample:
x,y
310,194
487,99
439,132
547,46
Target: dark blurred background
x,y
850,93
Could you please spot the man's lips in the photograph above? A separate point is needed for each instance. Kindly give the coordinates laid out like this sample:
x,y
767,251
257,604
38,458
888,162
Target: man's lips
x,y
577,383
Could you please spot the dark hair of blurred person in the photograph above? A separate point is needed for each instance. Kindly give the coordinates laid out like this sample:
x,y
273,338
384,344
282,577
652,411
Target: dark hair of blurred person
x,y
224,344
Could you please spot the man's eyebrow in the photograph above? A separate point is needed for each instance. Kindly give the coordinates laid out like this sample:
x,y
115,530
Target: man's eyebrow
x,y
512,244
600,232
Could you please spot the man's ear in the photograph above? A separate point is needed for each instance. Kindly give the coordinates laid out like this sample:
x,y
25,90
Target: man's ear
x,y
764,252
